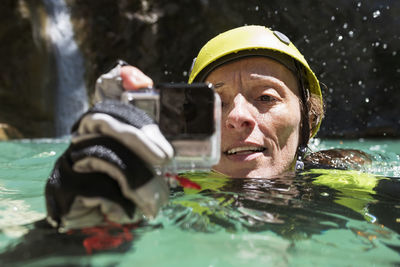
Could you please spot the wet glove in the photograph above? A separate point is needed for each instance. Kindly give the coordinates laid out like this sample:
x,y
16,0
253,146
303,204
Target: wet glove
x,y
107,173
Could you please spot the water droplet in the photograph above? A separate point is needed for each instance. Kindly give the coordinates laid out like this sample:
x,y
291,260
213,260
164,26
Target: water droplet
x,y
257,8
324,63
331,44
185,73
364,50
351,34
374,70
384,46
366,100
358,4
376,14
333,18
324,194
345,26
340,38
394,53
359,82
398,70
364,18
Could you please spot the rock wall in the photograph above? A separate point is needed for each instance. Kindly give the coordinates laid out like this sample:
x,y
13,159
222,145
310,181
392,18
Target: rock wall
x,y
353,46
26,80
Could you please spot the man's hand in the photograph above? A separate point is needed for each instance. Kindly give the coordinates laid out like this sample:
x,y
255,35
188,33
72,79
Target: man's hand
x,y
107,173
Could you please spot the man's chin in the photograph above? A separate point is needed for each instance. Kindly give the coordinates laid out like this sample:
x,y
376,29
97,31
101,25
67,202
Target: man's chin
x,y
242,173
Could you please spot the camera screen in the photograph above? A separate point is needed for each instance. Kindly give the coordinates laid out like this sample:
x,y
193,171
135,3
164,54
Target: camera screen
x,y
187,111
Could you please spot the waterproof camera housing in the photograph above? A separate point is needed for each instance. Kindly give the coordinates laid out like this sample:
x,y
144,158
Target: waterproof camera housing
x,y
189,116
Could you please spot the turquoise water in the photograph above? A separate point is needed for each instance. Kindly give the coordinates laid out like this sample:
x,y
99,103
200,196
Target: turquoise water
x,y
321,217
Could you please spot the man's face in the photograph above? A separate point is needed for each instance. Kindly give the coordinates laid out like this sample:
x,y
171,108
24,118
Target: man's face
x,y
260,117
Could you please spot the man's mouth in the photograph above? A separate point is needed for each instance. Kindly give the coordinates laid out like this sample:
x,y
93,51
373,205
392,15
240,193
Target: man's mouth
x,y
244,150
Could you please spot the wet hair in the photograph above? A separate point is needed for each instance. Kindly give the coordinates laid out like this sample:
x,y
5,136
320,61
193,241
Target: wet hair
x,y
311,107
316,110
312,112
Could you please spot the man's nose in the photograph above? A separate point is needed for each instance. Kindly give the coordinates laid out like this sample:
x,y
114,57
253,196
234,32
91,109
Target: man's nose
x,y
239,116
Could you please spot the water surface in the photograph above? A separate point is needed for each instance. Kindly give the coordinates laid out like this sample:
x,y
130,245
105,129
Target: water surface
x,y
319,217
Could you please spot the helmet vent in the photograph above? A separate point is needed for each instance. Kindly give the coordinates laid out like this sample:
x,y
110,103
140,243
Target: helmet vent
x,y
283,38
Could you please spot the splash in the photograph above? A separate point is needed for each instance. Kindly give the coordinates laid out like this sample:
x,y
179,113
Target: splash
x,y
376,14
71,97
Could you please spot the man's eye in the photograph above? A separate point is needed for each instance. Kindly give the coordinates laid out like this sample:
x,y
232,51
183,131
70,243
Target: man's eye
x,y
266,98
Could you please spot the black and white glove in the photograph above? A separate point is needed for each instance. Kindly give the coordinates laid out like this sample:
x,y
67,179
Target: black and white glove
x,y
107,173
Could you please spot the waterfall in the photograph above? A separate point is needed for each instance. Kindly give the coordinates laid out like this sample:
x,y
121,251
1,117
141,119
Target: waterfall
x,y
71,97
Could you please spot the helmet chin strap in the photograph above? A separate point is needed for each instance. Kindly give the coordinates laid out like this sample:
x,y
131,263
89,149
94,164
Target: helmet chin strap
x,y
305,126
301,151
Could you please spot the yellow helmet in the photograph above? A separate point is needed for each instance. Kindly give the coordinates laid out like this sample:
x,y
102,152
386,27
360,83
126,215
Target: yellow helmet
x,y
253,41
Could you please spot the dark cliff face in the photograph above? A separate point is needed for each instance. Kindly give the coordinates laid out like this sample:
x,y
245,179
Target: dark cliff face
x,y
353,46
26,77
